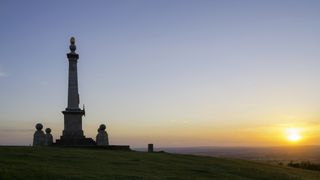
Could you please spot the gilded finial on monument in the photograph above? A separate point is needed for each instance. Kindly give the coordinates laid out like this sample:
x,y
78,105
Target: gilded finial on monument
x,y
72,44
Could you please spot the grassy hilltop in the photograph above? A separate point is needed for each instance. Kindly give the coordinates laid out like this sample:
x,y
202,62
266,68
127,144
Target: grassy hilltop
x,y
76,163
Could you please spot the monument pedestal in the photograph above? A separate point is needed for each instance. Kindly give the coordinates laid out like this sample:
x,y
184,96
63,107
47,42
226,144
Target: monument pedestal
x,y
73,123
75,142
72,134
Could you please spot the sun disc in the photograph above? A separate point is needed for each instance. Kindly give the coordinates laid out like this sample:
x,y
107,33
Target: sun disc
x,y
293,135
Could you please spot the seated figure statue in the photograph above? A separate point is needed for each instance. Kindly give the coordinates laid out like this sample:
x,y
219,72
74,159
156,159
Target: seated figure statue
x,y
38,137
48,138
102,136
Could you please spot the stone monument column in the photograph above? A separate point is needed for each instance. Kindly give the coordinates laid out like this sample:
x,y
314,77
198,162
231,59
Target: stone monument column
x,y
72,134
73,94
73,114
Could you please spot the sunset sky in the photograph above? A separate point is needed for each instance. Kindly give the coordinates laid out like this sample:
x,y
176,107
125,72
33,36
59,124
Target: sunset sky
x,y
169,72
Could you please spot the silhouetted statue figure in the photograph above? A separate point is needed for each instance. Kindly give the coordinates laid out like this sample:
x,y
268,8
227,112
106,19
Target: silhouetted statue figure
x,y
102,136
48,138
38,137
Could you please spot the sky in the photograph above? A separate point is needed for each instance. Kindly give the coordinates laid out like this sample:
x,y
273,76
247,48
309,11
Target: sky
x,y
170,72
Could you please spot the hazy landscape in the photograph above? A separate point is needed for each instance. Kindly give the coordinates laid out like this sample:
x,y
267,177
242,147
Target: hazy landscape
x,y
275,155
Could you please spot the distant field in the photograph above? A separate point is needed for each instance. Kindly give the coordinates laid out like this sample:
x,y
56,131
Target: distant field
x,y
76,163
274,155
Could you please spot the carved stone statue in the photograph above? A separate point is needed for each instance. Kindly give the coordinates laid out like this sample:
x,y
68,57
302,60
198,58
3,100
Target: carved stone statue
x,y
48,137
38,137
102,136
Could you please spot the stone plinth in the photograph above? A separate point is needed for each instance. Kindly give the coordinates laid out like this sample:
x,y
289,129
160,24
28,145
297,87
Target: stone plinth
x,y
75,141
150,147
102,136
73,124
38,136
48,138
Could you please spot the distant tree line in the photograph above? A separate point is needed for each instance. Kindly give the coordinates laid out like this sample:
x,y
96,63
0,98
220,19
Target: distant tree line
x,y
305,165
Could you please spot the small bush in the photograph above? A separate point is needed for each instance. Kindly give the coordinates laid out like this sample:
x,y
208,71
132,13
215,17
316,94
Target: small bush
x,y
305,165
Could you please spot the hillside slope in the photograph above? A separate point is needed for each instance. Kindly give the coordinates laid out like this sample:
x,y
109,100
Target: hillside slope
x,y
76,163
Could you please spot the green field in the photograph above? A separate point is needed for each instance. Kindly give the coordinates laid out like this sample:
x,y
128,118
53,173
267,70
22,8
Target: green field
x,y
76,163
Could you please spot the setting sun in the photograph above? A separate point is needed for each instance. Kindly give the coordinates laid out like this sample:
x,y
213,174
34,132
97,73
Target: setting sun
x,y
293,135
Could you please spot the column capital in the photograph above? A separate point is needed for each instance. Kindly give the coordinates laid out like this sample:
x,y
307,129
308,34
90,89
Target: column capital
x,y
73,56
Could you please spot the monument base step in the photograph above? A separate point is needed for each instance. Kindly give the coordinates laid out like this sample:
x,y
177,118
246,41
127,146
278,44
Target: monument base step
x,y
75,142
116,147
109,147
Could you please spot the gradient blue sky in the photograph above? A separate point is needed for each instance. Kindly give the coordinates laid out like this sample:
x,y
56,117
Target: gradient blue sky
x,y
170,72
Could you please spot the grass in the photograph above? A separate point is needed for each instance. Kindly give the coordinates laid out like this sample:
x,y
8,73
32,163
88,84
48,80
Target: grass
x,y
76,163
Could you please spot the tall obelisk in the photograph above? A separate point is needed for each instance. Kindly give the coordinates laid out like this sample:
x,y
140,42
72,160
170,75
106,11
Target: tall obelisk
x,y
73,133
